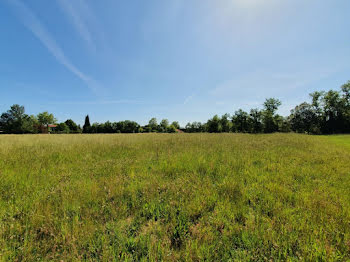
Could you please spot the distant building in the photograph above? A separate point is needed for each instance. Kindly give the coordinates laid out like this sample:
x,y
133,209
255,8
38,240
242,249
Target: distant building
x,y
47,129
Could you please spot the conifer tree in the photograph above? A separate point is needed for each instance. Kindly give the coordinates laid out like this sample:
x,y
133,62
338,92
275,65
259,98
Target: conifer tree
x,y
87,125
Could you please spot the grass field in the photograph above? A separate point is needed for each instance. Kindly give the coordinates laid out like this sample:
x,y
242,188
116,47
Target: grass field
x,y
175,197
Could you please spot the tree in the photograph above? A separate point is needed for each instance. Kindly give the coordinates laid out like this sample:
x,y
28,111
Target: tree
x,y
163,125
107,127
147,129
30,125
284,125
346,104
188,128
346,91
131,127
73,127
87,125
195,127
153,124
94,128
271,105
171,129
226,124
16,121
332,104
214,125
255,118
316,106
176,124
120,127
302,118
241,121
45,118
270,119
12,120
316,103
62,128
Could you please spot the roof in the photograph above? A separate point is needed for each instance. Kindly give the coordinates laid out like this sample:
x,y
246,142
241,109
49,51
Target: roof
x,y
51,125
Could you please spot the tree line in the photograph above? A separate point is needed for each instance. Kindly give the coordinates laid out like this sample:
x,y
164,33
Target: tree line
x,y
16,121
128,126
326,113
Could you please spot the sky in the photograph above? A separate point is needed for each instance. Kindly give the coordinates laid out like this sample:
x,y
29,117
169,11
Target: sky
x,y
184,60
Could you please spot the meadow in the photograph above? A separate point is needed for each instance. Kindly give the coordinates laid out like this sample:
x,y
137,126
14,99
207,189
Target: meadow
x,y
171,197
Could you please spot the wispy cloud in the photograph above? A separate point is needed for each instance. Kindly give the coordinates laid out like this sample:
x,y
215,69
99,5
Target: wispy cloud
x,y
99,102
195,93
188,99
38,29
77,19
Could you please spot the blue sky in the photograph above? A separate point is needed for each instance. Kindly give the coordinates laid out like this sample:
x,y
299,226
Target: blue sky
x,y
183,60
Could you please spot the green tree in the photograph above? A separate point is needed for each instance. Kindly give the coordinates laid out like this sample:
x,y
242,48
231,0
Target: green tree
x,y
31,124
303,118
195,127
163,125
333,113
241,121
94,128
62,128
107,127
87,125
73,127
271,105
131,127
270,119
176,124
284,125
346,104
226,124
171,129
153,124
316,105
256,118
214,125
16,121
45,118
147,129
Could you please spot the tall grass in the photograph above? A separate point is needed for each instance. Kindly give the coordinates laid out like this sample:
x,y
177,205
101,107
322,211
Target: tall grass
x,y
174,197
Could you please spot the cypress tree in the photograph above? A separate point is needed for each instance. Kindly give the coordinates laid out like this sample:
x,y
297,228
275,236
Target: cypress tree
x,y
87,126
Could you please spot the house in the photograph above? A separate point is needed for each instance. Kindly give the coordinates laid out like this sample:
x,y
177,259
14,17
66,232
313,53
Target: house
x,y
47,129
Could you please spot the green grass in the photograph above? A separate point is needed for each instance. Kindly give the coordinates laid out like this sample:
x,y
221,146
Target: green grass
x,y
342,140
175,197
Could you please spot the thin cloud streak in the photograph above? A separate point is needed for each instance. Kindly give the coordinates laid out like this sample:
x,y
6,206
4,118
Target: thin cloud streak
x,y
99,102
77,20
188,99
37,28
